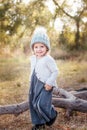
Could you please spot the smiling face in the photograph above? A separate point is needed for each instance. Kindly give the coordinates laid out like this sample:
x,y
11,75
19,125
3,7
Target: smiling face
x,y
39,49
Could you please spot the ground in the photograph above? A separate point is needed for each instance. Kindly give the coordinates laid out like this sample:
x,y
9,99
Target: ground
x,y
14,87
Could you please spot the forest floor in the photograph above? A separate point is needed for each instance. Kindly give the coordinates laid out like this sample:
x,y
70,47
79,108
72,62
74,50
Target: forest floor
x,y
14,88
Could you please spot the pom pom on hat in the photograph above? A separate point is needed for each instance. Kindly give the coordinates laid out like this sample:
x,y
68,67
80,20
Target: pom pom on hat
x,y
41,36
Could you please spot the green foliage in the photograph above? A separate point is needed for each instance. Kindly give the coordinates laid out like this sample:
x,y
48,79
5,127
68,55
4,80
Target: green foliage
x,y
10,19
19,19
66,38
64,10
16,19
37,14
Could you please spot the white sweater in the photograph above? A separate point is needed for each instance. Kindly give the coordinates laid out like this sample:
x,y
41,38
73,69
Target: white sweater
x,y
45,68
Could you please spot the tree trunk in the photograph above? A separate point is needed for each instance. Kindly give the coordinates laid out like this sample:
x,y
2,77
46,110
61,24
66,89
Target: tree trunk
x,y
71,101
77,35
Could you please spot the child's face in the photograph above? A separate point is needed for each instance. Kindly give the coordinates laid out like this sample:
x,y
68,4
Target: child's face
x,y
39,49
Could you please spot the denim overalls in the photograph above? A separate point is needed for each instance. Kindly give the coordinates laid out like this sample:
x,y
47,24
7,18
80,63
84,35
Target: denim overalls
x,y
40,102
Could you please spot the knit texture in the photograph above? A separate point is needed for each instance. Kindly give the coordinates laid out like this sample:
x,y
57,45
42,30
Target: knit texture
x,y
41,36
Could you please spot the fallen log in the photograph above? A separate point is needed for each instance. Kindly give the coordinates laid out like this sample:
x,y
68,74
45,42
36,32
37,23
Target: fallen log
x,y
71,95
15,109
62,99
80,94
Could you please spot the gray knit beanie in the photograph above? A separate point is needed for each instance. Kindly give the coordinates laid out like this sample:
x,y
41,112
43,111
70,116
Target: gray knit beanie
x,y
41,36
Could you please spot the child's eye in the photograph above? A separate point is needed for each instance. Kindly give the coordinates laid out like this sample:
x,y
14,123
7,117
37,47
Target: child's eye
x,y
42,46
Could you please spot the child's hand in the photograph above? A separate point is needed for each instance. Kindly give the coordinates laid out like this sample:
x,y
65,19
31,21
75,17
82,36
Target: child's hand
x,y
48,87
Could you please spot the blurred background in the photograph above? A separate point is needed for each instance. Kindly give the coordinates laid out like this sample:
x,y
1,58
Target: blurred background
x,y
66,24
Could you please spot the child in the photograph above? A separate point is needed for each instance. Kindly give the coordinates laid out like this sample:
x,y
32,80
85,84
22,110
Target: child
x,y
44,72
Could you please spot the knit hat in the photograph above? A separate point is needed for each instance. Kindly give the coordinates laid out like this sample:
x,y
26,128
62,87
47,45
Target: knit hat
x,y
41,36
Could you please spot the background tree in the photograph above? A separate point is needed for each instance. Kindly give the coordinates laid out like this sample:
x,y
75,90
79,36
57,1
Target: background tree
x,y
18,19
62,11
11,19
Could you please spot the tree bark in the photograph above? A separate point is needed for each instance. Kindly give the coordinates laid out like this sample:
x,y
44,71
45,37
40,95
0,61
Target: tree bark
x,y
71,101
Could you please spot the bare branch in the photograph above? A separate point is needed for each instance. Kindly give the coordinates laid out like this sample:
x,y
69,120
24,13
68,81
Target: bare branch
x,y
56,3
62,99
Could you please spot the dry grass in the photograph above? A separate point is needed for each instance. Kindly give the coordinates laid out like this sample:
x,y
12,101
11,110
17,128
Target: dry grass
x,y
14,75
73,74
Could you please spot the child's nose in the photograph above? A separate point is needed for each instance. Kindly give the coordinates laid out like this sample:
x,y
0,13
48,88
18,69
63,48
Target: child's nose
x,y
39,48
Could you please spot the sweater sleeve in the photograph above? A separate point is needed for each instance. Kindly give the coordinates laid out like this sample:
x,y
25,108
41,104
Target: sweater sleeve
x,y
51,64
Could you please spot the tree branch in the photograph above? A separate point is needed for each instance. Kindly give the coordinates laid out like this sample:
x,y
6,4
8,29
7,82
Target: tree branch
x,y
56,3
61,98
